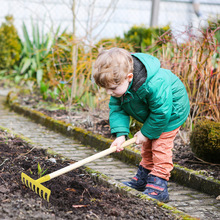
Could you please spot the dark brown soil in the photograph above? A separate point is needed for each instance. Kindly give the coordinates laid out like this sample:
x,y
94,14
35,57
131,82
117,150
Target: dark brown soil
x,y
97,122
73,195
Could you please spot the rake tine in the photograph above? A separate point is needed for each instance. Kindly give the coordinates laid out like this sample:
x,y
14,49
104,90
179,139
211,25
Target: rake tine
x,y
44,196
22,180
27,183
37,190
32,186
40,192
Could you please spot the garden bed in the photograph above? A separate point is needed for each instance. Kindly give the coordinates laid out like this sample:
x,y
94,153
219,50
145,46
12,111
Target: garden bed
x,y
74,195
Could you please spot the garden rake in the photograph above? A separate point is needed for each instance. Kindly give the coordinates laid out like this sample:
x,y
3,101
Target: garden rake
x,y
36,185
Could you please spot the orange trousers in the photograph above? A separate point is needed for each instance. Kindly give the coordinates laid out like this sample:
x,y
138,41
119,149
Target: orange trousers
x,y
157,154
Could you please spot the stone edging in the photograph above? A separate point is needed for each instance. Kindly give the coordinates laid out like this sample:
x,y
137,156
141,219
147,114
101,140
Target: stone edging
x,y
181,175
110,182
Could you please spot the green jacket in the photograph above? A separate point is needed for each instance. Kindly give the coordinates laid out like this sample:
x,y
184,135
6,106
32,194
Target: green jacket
x,y
155,97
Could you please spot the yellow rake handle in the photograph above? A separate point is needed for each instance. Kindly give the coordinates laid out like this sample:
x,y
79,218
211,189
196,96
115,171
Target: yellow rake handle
x,y
84,161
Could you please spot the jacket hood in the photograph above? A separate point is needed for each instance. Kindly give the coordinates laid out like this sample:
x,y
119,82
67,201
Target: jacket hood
x,y
152,64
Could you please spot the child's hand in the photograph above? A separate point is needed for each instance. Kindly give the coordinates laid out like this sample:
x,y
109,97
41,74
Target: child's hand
x,y
140,138
118,142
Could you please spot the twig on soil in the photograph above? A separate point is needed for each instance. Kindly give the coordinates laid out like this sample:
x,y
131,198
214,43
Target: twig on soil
x,y
4,162
202,161
24,153
2,179
92,214
85,190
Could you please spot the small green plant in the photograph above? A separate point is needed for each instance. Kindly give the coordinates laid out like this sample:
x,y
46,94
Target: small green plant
x,y
40,170
205,140
44,89
6,140
54,93
93,200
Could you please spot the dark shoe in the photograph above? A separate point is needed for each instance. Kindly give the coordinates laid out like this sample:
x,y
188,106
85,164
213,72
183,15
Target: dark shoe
x,y
157,188
139,181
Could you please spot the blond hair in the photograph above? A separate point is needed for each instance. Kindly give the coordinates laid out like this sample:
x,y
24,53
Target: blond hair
x,y
112,67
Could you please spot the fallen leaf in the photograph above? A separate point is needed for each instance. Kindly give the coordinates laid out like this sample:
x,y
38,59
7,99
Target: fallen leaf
x,y
79,206
70,190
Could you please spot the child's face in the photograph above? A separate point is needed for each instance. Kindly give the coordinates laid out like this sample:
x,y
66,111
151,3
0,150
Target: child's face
x,y
119,90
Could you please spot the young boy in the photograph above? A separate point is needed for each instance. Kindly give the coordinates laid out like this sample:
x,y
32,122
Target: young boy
x,y
153,96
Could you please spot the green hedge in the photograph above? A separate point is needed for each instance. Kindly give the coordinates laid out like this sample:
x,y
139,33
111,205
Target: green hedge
x,y
205,141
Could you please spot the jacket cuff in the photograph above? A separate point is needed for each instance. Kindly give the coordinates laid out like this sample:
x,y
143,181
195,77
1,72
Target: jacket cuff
x,y
121,134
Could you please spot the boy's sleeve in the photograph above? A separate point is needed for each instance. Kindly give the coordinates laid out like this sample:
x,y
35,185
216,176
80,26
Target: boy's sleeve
x,y
160,105
119,120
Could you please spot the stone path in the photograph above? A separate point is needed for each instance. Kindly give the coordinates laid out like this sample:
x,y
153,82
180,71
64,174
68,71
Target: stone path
x,y
188,200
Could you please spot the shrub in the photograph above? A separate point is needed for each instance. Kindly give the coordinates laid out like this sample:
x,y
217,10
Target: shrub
x,y
10,44
141,37
205,140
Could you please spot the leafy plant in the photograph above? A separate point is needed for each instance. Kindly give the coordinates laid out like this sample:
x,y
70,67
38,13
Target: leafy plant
x,y
35,52
6,139
40,170
44,89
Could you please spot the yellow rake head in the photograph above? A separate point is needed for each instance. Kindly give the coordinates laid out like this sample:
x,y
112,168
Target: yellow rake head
x,y
36,186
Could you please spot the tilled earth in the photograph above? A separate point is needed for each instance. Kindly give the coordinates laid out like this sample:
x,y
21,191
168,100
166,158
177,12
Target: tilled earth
x,y
74,195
